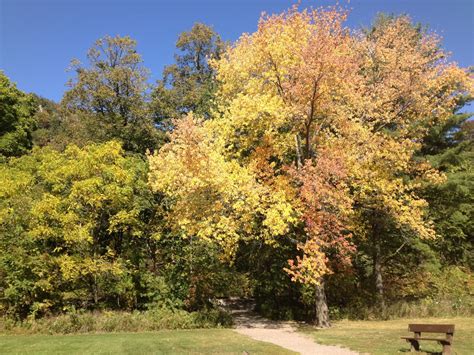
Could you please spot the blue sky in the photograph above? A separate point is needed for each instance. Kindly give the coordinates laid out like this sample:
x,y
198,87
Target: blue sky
x,y
38,38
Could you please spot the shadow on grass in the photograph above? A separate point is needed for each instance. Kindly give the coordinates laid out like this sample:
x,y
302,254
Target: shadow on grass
x,y
302,326
405,350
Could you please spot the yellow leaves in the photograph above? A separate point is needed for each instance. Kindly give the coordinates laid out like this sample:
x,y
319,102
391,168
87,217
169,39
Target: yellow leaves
x,y
384,177
204,189
311,267
74,268
249,117
53,220
284,78
124,220
211,196
279,213
78,207
13,181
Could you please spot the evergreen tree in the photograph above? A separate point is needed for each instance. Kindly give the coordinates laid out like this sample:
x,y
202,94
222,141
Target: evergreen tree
x,y
450,148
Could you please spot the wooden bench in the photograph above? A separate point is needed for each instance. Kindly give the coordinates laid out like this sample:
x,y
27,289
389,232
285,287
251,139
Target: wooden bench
x,y
417,329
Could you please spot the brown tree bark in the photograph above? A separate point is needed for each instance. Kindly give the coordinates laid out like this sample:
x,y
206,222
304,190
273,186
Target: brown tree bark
x,y
378,277
322,311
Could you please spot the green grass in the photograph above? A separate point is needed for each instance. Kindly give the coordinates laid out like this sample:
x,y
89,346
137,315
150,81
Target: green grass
x,y
199,341
383,337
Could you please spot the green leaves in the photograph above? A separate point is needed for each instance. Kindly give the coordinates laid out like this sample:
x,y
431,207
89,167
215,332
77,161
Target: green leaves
x,y
113,89
16,119
451,203
189,85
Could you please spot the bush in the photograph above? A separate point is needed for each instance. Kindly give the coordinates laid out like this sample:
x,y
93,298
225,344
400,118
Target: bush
x,y
107,321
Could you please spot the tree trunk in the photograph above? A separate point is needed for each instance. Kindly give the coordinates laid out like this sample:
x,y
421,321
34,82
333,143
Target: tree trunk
x,y
307,140
379,287
95,290
322,312
298,152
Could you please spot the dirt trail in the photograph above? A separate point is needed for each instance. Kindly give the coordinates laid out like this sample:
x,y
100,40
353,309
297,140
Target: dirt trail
x,y
280,333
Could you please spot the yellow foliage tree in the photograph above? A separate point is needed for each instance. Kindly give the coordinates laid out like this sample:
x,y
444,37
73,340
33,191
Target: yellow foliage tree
x,y
405,85
371,95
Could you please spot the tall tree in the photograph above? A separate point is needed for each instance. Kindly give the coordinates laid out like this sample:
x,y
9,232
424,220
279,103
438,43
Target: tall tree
x,y
114,89
450,148
16,119
406,84
58,127
189,84
283,86
302,74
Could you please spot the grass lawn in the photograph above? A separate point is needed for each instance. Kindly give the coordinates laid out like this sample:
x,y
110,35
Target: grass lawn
x,y
383,337
200,341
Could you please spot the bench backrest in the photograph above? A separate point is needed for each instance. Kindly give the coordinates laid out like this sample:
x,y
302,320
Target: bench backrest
x,y
431,328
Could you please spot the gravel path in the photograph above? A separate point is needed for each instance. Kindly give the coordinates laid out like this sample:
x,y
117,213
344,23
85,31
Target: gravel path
x,y
281,333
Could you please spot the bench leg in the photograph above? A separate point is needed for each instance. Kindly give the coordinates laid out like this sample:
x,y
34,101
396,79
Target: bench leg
x,y
447,349
415,345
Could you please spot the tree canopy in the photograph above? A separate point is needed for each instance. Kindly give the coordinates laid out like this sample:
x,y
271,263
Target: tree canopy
x,y
308,165
16,119
114,89
188,85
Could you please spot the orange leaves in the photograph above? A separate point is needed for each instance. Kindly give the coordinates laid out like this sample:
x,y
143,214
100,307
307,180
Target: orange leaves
x,y
405,81
309,268
327,210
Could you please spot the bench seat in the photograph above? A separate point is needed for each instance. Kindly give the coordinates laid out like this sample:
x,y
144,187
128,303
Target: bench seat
x,y
435,339
418,329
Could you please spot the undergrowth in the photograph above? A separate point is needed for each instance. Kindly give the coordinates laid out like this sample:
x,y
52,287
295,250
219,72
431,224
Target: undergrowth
x,y
113,321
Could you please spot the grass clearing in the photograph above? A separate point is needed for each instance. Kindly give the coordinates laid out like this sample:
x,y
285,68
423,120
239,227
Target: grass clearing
x,y
197,341
383,337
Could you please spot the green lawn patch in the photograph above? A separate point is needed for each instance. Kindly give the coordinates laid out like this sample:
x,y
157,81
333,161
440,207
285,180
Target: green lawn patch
x,y
197,341
383,337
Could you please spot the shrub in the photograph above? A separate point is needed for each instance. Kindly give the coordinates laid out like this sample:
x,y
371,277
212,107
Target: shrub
x,y
108,321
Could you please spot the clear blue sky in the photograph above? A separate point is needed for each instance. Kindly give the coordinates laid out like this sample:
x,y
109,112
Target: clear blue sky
x,y
38,38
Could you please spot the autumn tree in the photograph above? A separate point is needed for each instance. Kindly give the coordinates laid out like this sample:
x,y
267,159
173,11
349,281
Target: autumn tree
x,y
405,85
284,86
75,227
304,83
114,89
